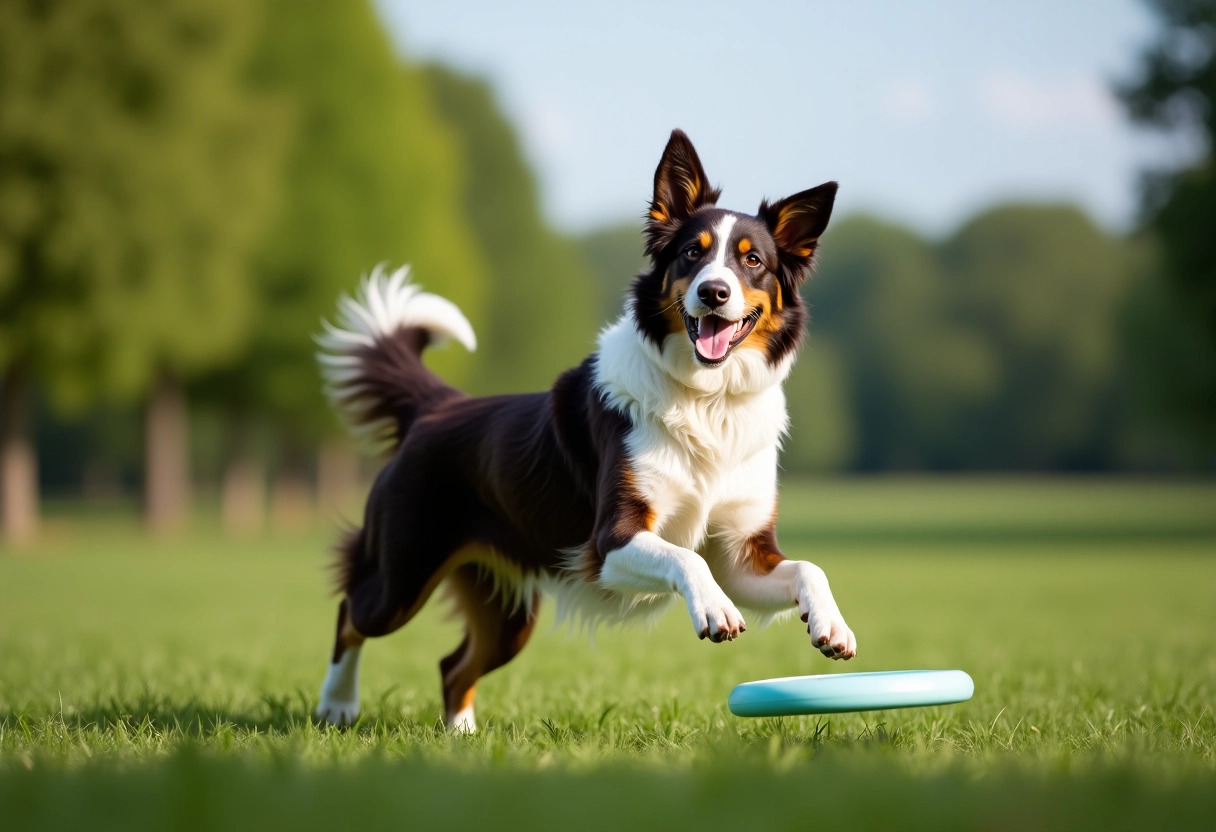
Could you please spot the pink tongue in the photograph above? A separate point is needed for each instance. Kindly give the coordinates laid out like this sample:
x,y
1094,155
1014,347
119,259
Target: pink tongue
x,y
713,337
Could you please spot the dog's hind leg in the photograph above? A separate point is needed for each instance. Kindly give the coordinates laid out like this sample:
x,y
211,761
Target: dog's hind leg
x,y
340,691
382,595
496,630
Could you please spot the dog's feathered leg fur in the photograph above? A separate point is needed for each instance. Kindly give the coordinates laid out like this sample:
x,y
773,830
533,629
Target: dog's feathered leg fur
x,y
374,375
494,634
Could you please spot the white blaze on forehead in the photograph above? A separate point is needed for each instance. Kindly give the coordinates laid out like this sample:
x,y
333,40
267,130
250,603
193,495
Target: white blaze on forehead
x,y
717,268
721,236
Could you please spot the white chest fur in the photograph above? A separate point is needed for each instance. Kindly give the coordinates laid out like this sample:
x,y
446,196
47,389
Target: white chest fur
x,y
704,441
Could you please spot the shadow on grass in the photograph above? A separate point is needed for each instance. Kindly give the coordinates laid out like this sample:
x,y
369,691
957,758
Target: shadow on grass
x,y
152,722
149,715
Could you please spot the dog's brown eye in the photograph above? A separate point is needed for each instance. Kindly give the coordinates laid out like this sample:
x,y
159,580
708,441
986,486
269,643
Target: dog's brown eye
x,y
752,260
692,252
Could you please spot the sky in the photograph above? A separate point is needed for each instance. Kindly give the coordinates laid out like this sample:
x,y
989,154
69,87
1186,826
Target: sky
x,y
925,112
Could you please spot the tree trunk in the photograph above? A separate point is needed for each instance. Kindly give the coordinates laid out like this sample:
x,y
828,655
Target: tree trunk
x,y
18,463
243,497
167,459
292,503
337,478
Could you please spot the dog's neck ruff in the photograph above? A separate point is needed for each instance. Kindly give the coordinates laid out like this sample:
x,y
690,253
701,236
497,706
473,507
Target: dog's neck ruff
x,y
724,413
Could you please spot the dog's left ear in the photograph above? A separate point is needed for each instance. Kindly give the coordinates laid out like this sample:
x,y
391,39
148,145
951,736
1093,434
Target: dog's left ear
x,y
680,187
796,223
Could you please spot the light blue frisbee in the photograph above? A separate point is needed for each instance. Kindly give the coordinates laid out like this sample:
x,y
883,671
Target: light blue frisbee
x,y
842,692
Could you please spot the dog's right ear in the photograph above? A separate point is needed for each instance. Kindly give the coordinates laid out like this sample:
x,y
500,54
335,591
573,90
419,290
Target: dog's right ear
x,y
680,187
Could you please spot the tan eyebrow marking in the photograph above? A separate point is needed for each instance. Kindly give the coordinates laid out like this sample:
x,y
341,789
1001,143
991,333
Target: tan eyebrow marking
x,y
705,239
745,245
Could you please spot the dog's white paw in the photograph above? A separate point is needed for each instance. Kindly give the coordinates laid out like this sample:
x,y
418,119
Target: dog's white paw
x,y
339,704
716,617
338,711
463,722
830,635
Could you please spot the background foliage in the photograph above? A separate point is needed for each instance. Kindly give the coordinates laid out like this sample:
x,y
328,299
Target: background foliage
x,y
188,189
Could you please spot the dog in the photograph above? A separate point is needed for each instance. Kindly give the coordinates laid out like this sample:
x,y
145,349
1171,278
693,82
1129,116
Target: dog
x,y
647,472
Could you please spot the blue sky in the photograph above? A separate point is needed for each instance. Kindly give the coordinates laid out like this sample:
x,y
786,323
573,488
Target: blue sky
x,y
924,112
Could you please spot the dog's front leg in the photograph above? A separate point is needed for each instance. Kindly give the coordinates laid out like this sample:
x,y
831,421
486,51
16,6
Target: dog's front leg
x,y
764,579
648,564
818,608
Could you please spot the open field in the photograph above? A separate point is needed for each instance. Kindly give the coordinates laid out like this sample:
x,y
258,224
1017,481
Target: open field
x,y
171,684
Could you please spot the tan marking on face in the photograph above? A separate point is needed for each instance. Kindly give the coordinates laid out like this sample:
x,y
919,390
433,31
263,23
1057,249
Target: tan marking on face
x,y
673,310
745,245
767,326
780,299
705,240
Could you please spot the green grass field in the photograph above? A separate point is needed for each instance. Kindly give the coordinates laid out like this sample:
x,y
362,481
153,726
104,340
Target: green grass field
x,y
170,685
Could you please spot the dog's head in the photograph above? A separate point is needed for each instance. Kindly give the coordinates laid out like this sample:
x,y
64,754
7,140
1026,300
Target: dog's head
x,y
724,281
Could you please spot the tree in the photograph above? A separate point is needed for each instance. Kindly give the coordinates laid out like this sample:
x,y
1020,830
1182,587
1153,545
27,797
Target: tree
x,y
995,348
1175,359
136,169
823,432
614,256
543,304
878,298
371,176
1042,287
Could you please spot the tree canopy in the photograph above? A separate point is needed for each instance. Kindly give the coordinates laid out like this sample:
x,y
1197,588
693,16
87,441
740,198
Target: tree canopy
x,y
372,175
542,314
1173,347
137,170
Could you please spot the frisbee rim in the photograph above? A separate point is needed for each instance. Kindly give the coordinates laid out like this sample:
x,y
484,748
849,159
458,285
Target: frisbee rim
x,y
849,692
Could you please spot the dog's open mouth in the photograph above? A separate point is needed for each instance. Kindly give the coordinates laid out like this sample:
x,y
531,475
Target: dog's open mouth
x,y
714,337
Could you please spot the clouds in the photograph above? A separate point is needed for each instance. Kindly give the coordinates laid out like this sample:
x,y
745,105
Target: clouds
x,y
1017,101
1006,99
547,128
909,101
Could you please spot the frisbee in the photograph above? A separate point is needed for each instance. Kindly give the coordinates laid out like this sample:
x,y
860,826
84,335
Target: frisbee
x,y
842,692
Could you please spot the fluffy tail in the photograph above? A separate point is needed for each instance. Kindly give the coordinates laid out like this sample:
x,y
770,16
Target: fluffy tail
x,y
372,358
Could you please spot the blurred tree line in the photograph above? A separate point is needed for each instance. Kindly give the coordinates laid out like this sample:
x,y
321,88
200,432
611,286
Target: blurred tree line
x,y
186,188
1000,348
1175,91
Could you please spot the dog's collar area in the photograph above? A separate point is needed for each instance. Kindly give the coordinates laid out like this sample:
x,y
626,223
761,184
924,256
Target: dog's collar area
x,y
741,329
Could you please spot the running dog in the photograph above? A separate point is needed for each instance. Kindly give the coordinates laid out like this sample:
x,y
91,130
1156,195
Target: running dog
x,y
646,473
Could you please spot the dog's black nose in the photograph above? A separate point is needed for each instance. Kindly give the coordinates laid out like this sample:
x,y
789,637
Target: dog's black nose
x,y
714,293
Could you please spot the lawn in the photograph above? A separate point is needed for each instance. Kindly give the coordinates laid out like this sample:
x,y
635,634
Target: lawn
x,y
170,684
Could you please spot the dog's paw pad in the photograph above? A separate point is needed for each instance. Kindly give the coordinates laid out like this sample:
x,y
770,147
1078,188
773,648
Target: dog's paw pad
x,y
338,713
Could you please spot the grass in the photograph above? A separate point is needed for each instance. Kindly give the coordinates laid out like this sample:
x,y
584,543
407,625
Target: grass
x,y
145,684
